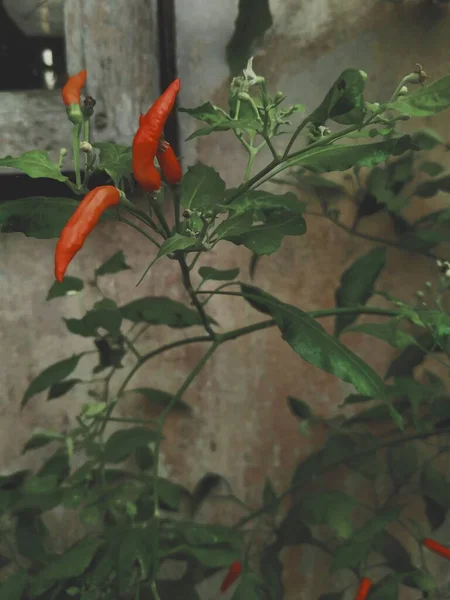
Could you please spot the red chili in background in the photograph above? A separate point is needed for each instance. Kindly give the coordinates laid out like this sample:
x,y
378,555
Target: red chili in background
x,y
80,225
364,588
170,167
147,138
437,548
233,573
72,90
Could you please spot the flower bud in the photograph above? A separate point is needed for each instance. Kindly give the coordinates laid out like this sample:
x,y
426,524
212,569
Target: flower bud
x,y
403,90
85,147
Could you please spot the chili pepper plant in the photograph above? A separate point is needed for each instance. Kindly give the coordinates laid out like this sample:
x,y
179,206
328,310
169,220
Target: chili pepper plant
x,y
135,519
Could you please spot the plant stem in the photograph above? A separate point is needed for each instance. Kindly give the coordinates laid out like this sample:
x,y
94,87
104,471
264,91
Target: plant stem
x,y
161,218
186,278
76,153
141,231
372,238
295,136
176,206
165,413
155,591
193,263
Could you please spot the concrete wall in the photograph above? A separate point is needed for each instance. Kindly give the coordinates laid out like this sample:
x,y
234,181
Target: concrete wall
x,y
241,426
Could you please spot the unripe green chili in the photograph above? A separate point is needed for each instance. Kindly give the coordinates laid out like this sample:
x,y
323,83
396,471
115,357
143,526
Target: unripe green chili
x,y
81,223
147,138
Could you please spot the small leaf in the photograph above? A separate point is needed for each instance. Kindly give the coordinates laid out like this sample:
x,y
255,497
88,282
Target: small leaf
x,y
69,287
344,102
204,488
53,374
201,188
209,273
61,388
357,285
217,120
115,264
124,442
411,357
427,139
431,168
160,310
41,437
299,408
35,164
426,189
308,468
293,531
388,332
179,242
115,159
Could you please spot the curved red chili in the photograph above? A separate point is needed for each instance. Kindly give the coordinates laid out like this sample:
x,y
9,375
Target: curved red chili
x,y
364,588
437,548
233,573
80,225
170,167
146,140
72,90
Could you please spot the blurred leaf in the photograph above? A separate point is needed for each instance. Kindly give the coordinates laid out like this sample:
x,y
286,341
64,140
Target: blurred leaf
x,y
388,332
429,188
253,20
435,485
51,375
14,587
385,589
425,101
293,531
299,408
308,468
249,587
61,388
253,264
204,488
124,442
427,139
209,273
40,438
431,168
357,285
411,357
114,264
271,569
329,507
161,398
435,513
160,310
394,552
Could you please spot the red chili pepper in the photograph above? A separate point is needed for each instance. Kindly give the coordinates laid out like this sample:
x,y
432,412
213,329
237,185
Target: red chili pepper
x,y
233,573
437,548
80,225
170,167
364,588
72,90
146,140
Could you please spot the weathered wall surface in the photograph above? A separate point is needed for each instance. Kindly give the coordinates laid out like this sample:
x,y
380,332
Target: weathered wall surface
x,y
241,426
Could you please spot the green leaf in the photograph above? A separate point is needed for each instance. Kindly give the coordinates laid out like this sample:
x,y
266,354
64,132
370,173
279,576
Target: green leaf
x,y
32,537
104,315
427,139
426,101
344,102
159,310
270,499
72,563
299,408
133,548
355,551
124,442
168,590
249,587
210,556
431,168
211,274
198,534
161,398
435,513
263,200
170,493
402,463
435,485
217,120
41,437
253,20
426,189
266,238
388,332
115,264
310,340
61,388
51,375
35,164
14,587
204,488
115,159
411,357
397,557
271,569
179,242
38,216
385,589
69,287
201,188
336,157
331,508
293,530
357,285
308,468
